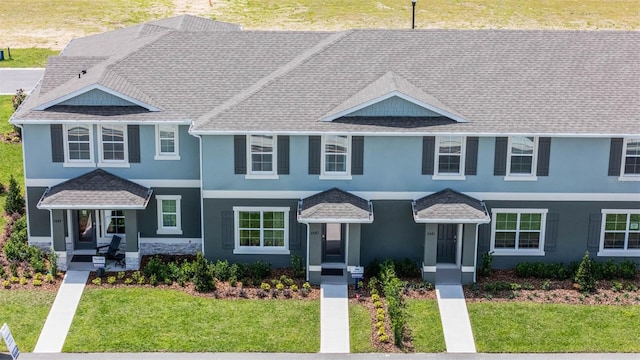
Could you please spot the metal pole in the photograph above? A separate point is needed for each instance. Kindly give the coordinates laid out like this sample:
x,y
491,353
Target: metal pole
x,y
413,14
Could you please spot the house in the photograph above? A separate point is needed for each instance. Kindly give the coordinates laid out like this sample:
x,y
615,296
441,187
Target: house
x,y
186,135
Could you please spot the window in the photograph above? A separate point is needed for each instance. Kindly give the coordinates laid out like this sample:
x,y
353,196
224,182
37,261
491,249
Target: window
x,y
620,233
262,154
449,156
167,142
631,158
113,222
169,221
113,141
518,231
521,159
79,145
261,230
335,155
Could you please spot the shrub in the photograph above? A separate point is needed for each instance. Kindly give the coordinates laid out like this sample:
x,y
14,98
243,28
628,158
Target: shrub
x,y
23,281
542,270
203,274
265,286
373,285
279,286
546,285
97,281
37,259
297,265
485,265
111,280
306,286
52,258
406,268
392,288
16,247
260,270
128,281
14,203
605,270
286,280
49,278
6,284
157,268
221,270
616,286
585,275
373,269
294,288
628,269
120,275
153,280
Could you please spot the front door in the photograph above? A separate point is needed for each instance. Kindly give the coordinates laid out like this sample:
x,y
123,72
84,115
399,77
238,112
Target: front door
x,y
333,243
85,226
447,243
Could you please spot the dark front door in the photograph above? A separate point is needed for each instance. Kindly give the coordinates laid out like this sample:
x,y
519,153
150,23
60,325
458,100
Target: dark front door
x,y
447,243
333,243
85,226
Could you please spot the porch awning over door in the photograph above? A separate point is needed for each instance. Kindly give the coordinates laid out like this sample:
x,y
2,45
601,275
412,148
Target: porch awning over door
x,y
97,189
335,206
448,206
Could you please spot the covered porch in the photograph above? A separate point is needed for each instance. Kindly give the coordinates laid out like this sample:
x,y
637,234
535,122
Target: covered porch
x,y
451,235
87,211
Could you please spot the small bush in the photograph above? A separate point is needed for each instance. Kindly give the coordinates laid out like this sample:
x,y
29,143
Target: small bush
x,y
120,275
153,280
14,203
406,268
585,276
260,270
203,275
373,269
628,269
97,281
297,265
265,286
111,280
128,281
157,268
546,285
221,270
14,279
6,284
485,265
49,278
279,286
294,288
23,281
616,286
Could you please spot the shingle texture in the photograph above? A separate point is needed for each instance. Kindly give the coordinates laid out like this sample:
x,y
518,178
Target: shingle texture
x,y
450,205
225,80
97,188
337,205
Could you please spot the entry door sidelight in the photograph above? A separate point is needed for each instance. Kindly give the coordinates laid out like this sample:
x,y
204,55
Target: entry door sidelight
x,y
333,243
447,246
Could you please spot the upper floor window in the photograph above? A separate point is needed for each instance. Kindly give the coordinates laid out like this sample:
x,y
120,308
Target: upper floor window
x,y
518,231
620,232
79,144
449,156
522,156
631,157
335,155
262,154
113,143
261,230
169,214
167,142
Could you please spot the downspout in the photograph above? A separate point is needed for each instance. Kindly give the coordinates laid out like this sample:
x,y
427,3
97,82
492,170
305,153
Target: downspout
x,y
201,197
475,257
308,234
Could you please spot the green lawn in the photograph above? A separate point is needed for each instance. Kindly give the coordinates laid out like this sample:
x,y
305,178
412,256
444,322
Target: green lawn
x,y
25,312
144,320
425,325
360,329
26,58
528,327
10,154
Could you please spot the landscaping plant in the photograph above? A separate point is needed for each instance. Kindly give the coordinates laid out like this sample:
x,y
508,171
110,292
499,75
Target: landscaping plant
x,y
14,203
585,277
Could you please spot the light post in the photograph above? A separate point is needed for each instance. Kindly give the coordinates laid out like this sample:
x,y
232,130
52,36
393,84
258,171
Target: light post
x,y
413,14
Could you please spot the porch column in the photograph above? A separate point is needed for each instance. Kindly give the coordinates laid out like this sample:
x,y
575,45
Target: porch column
x,y
353,247
315,253
58,242
430,253
132,253
468,253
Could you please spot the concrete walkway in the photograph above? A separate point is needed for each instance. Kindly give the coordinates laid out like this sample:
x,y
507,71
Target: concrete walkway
x,y
455,319
61,314
334,318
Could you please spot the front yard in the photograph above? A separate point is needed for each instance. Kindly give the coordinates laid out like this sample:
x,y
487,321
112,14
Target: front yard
x,y
25,311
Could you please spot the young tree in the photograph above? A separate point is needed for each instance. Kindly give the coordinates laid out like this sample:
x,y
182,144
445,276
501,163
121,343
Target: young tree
x,y
15,201
17,99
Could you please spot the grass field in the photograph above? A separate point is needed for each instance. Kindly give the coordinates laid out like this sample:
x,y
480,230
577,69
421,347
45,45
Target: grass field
x,y
542,328
26,58
360,329
10,154
52,23
143,320
25,312
425,325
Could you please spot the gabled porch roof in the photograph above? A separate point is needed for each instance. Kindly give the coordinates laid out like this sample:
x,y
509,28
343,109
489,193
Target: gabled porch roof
x,y
335,206
449,206
97,189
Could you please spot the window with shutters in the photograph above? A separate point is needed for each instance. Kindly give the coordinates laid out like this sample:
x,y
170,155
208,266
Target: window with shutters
x,y
78,145
261,156
336,154
620,233
518,231
522,158
113,145
449,158
169,214
261,230
630,160
167,145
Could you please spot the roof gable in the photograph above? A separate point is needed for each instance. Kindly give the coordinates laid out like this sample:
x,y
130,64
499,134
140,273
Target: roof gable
x,y
96,95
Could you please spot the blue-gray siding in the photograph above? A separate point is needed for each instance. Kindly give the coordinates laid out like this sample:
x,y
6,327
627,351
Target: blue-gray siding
x,y
97,97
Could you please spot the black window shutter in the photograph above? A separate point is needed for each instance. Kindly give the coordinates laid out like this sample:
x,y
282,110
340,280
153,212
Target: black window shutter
x,y
314,154
471,156
500,157
133,139
615,157
551,232
228,238
593,238
544,152
240,154
357,155
484,238
294,233
57,143
428,153
283,154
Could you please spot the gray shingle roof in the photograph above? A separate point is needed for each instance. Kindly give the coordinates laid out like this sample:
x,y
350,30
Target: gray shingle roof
x,y
335,205
501,81
97,189
449,205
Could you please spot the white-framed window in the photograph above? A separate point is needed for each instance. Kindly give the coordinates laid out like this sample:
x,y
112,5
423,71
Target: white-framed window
x,y
336,154
522,158
78,145
167,145
261,230
261,156
631,159
113,222
169,214
112,140
620,233
518,231
449,158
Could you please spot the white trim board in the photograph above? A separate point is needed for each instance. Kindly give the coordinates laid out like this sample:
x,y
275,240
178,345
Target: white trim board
x,y
156,183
